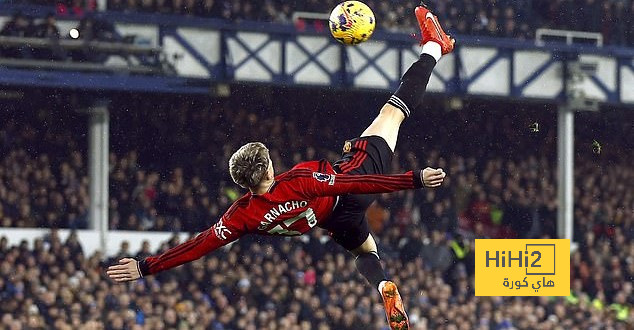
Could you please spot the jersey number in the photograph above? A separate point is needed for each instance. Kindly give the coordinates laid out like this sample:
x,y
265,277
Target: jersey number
x,y
310,218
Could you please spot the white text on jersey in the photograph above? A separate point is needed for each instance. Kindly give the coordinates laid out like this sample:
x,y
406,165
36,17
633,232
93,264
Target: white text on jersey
x,y
280,209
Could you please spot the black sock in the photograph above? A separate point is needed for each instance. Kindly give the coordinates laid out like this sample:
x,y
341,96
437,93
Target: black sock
x,y
409,94
369,266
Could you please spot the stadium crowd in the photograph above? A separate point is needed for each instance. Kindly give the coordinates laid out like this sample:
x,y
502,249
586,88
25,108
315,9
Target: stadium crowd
x,y
168,172
505,18
298,284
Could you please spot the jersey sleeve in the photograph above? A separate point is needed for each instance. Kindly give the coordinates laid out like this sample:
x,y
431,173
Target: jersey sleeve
x,y
225,231
315,184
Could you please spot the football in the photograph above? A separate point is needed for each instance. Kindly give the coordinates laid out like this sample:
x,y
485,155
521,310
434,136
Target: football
x,y
352,22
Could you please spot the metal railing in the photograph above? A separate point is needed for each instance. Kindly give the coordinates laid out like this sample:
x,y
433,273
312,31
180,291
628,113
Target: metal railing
x,y
69,44
140,59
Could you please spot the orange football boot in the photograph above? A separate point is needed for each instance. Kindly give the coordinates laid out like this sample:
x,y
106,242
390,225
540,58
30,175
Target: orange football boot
x,y
394,310
431,30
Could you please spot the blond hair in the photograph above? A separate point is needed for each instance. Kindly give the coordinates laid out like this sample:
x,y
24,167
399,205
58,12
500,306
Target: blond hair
x,y
249,164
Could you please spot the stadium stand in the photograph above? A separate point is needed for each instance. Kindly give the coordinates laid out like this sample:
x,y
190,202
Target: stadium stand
x,y
28,43
168,172
512,19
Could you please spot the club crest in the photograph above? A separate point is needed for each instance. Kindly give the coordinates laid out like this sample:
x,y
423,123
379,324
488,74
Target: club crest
x,y
347,146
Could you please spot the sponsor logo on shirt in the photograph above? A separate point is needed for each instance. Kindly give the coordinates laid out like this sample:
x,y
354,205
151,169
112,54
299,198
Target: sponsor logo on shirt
x,y
221,230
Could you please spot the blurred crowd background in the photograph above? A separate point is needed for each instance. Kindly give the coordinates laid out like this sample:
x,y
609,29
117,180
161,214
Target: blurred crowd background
x,y
614,19
168,172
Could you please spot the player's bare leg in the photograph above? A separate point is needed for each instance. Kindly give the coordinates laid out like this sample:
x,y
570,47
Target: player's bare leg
x,y
369,246
408,96
386,125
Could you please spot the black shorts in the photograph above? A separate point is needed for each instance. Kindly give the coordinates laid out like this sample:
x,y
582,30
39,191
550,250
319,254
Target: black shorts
x,y
364,155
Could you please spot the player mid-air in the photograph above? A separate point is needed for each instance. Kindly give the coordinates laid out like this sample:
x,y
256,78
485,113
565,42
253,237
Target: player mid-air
x,y
316,193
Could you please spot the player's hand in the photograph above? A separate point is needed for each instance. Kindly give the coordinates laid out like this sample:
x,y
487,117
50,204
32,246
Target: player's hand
x,y
433,178
126,270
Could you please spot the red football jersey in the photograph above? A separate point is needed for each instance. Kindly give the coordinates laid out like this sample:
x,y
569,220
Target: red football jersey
x,y
299,200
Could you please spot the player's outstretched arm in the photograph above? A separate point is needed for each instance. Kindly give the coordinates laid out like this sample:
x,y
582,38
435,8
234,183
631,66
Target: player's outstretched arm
x,y
316,184
221,233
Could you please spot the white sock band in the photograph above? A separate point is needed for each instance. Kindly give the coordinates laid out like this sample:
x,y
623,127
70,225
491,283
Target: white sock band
x,y
381,285
397,102
432,48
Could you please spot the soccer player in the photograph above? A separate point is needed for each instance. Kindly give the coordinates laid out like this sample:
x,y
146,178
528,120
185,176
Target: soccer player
x,y
317,193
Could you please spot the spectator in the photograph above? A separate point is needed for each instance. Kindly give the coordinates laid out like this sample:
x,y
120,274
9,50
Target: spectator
x,y
19,26
147,6
211,8
48,30
116,5
75,8
132,5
